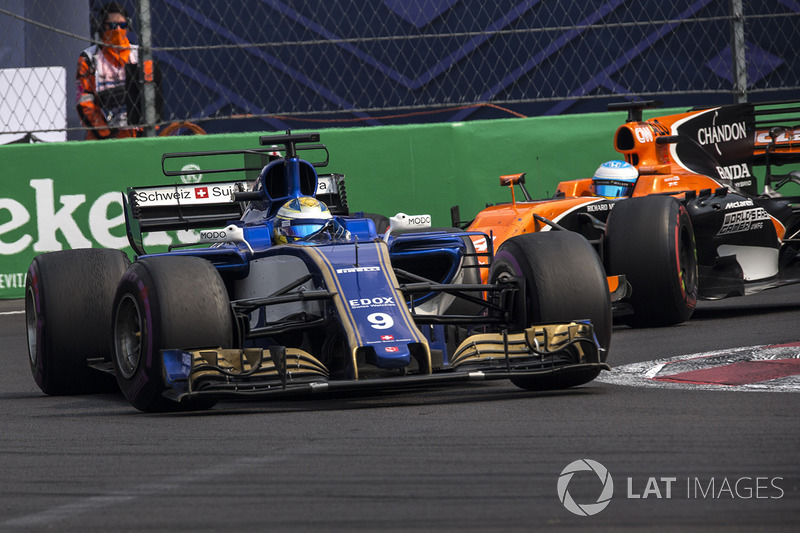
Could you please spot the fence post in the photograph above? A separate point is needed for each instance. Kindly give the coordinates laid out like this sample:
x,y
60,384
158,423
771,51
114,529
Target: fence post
x,y
738,52
146,48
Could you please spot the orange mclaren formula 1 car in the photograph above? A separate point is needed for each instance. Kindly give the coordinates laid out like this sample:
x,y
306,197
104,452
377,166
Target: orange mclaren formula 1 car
x,y
681,217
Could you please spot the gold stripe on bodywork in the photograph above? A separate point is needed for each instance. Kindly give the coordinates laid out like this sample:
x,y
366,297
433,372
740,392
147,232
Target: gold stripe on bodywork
x,y
331,280
388,272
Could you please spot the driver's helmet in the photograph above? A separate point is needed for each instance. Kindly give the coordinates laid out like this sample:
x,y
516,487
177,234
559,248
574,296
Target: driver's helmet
x,y
299,218
614,179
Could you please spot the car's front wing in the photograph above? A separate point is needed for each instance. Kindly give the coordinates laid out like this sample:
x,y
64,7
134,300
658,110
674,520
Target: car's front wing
x,y
543,351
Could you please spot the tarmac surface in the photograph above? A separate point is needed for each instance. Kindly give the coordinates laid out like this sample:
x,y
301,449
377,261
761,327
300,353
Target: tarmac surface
x,y
680,450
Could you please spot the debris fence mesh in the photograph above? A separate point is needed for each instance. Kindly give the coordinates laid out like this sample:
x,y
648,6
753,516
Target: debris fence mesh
x,y
279,64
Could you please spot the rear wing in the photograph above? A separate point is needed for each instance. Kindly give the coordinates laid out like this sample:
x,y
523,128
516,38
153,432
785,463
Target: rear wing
x,y
723,142
777,133
180,207
173,207
204,205
777,142
270,178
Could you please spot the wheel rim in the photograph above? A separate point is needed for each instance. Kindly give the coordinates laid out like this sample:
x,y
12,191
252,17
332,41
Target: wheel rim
x,y
503,271
687,262
500,275
128,336
32,326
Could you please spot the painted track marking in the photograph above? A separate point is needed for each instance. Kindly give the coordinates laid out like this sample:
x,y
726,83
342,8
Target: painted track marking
x,y
773,368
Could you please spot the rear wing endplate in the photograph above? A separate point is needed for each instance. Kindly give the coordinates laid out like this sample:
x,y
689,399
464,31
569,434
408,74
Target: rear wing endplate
x,y
180,207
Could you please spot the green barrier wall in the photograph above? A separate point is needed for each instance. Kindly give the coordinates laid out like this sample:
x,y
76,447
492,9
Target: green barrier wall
x,y
67,195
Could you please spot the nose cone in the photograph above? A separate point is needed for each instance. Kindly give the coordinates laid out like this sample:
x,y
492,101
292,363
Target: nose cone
x,y
389,356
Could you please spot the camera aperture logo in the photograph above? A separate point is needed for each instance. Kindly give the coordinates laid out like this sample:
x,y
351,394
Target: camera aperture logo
x,y
666,487
586,509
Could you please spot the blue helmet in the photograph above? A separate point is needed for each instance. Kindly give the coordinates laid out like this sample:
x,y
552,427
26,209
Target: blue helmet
x,y
614,179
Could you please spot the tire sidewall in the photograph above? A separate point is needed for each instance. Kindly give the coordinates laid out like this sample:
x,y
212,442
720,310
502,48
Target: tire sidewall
x,y
145,387
34,296
565,281
644,242
505,263
182,303
688,284
68,302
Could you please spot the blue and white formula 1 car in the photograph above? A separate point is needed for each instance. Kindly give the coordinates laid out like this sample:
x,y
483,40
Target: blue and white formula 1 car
x,y
285,295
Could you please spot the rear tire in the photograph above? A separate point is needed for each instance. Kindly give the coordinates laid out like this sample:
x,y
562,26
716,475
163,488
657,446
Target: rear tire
x,y
651,241
381,222
68,302
161,303
564,282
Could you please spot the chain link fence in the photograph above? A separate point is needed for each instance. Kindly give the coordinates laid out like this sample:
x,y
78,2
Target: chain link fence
x,y
255,65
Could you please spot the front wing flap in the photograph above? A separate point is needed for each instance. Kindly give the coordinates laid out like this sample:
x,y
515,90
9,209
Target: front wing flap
x,y
537,347
543,351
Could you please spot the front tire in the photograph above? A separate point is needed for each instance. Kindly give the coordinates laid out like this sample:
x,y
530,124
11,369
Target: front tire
x,y
165,303
68,301
651,240
564,282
